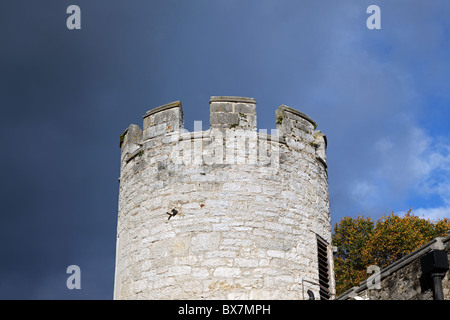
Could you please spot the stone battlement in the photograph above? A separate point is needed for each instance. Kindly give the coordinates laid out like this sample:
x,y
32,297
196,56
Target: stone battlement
x,y
230,118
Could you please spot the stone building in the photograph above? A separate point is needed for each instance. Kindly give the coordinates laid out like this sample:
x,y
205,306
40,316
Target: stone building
x,y
226,213
421,275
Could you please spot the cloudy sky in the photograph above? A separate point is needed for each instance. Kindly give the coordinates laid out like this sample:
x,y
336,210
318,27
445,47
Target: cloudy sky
x,y
382,97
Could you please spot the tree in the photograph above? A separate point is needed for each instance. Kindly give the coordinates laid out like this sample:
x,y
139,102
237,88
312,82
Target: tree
x,y
361,242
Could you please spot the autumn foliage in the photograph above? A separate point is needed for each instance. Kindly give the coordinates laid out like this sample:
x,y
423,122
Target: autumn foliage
x,y
361,242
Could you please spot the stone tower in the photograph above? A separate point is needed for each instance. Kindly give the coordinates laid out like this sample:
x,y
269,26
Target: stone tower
x,y
225,213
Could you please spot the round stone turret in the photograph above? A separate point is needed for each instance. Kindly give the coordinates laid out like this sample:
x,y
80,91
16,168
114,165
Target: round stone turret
x,y
225,213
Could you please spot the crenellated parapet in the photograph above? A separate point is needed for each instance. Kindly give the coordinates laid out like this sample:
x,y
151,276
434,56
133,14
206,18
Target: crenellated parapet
x,y
130,141
299,131
292,122
232,119
233,113
162,120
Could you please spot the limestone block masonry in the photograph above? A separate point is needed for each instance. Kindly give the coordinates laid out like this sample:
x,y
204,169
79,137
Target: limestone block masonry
x,y
226,213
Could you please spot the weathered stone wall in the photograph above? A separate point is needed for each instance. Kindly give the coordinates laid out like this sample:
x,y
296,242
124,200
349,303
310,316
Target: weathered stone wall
x,y
401,285
407,281
249,206
446,279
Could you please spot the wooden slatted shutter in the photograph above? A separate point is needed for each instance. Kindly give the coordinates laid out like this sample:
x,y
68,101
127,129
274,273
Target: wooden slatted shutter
x,y
324,274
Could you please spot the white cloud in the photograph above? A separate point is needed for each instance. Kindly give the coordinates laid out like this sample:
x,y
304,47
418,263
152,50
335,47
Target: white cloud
x,y
425,166
364,192
433,214
436,175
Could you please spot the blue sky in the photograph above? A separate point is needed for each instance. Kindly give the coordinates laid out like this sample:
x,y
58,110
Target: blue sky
x,y
381,96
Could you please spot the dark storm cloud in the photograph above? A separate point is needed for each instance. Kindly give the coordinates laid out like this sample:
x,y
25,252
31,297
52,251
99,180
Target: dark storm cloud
x,y
53,139
67,95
